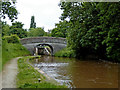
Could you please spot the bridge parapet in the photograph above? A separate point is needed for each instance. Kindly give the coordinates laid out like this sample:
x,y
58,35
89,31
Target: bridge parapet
x,y
43,40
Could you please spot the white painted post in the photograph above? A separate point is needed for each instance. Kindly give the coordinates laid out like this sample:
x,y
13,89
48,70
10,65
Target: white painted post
x,y
36,49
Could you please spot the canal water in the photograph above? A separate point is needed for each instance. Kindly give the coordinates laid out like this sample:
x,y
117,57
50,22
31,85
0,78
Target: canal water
x,y
79,73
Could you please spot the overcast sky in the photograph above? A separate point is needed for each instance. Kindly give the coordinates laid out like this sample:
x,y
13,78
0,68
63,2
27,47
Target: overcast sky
x,y
46,12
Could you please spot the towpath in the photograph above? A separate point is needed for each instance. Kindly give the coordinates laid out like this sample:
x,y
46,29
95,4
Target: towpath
x,y
8,74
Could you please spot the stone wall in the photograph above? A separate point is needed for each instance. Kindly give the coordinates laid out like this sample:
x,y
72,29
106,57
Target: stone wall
x,y
56,43
43,40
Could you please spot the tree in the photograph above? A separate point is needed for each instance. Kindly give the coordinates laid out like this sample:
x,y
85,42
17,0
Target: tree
x,y
17,28
32,24
60,30
109,22
36,32
9,10
5,29
93,28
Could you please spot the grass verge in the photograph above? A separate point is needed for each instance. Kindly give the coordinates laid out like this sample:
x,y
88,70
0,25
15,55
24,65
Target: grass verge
x,y
28,77
12,50
65,52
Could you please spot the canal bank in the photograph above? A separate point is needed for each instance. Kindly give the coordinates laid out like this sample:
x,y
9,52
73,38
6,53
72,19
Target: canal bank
x,y
28,77
49,79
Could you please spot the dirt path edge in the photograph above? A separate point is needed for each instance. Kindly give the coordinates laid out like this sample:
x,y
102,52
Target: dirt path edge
x,y
8,74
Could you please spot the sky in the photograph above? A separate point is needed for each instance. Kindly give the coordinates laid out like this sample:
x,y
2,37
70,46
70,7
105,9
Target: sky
x,y
46,12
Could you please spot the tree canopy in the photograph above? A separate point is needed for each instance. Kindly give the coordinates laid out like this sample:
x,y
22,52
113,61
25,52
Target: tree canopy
x,y
32,24
36,32
93,28
9,10
17,28
60,30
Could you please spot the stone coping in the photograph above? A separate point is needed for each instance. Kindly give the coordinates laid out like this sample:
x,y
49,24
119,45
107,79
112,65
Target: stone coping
x,y
43,38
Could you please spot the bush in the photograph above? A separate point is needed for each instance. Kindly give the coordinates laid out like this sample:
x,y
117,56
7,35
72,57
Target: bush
x,y
66,52
11,39
11,48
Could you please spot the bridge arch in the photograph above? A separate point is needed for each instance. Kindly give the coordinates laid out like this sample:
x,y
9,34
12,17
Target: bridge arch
x,y
43,45
56,43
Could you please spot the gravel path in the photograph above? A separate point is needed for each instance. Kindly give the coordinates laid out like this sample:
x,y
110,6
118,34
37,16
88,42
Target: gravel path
x,y
9,74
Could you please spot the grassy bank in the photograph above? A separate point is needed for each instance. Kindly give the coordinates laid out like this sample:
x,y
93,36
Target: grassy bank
x,y
66,52
0,54
12,50
28,77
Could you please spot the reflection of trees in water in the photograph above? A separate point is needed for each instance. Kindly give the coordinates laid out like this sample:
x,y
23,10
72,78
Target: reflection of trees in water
x,y
84,74
93,74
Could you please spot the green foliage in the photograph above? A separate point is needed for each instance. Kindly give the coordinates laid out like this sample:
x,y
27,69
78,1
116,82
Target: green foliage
x,y
12,50
45,34
17,28
93,28
60,30
66,52
28,77
49,33
32,24
9,9
11,39
36,32
5,29
109,19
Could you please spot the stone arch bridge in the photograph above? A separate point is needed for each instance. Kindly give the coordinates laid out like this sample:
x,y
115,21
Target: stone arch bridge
x,y
56,43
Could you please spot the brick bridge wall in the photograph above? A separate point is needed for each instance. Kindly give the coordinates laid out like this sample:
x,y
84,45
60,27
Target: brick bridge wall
x,y
56,43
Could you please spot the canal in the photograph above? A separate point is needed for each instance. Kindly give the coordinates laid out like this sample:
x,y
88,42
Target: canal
x,y
79,73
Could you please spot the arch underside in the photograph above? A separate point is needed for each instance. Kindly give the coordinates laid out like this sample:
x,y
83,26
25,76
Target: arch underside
x,y
42,45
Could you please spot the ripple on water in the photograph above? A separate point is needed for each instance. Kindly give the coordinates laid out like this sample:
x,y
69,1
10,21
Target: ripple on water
x,y
80,74
51,64
51,70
